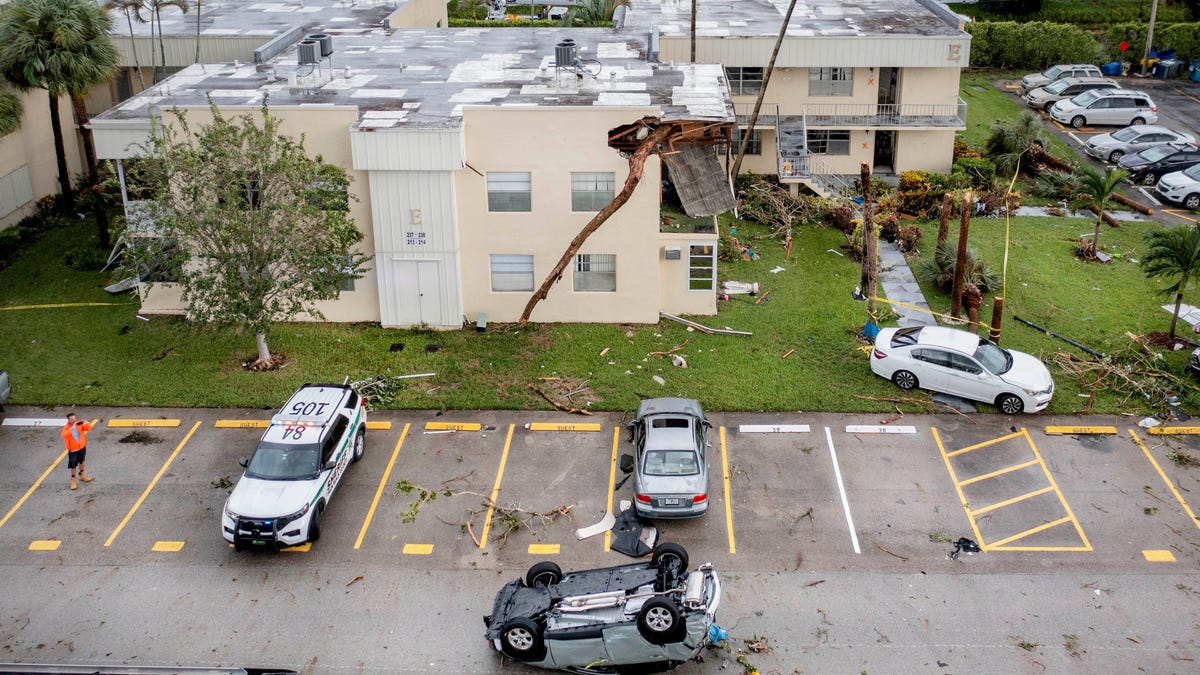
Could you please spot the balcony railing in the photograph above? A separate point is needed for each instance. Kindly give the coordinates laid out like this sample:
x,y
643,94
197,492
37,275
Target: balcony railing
x,y
871,115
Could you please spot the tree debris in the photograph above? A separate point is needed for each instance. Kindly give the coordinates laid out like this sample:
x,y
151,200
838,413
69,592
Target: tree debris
x,y
557,405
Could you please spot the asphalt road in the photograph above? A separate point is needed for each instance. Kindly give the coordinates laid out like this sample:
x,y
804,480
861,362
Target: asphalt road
x,y
833,540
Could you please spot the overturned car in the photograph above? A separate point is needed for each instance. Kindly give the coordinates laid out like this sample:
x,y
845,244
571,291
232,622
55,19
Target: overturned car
x,y
646,617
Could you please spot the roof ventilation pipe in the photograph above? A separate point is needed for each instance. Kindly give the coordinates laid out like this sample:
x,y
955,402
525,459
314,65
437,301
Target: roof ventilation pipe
x,y
309,52
618,20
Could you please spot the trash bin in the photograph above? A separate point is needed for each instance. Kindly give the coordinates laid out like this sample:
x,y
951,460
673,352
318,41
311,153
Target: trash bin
x,y
1194,70
1110,69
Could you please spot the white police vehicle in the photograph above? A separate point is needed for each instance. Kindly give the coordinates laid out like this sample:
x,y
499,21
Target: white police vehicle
x,y
295,469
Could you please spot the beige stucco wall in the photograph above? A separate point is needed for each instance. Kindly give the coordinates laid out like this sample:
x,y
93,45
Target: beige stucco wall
x,y
419,14
550,143
33,146
674,294
925,151
326,132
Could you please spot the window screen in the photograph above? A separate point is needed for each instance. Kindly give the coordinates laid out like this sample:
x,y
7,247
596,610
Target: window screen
x,y
702,267
512,273
743,80
596,272
829,142
508,191
592,191
830,82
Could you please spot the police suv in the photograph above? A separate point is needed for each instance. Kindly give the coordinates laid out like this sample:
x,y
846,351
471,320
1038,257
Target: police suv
x,y
295,469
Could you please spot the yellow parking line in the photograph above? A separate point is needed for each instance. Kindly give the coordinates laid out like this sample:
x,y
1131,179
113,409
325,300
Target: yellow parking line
x,y
1171,431
1000,472
146,492
543,549
962,499
379,426
302,548
1008,502
379,491
453,426
983,444
1034,530
1080,430
1166,480
167,546
143,423
487,521
728,500
612,481
44,545
36,484
242,424
1061,498
418,549
1180,214
562,426
1158,556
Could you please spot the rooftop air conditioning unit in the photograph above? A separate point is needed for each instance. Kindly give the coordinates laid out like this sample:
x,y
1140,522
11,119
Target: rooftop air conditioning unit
x,y
326,42
310,52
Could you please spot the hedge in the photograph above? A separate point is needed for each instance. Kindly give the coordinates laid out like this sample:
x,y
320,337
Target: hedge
x,y
1008,45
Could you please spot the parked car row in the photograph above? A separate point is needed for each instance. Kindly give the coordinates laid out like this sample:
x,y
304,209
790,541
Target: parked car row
x,y
1044,98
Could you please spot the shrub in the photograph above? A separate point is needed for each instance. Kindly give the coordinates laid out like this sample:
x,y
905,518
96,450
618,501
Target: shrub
x,y
909,237
964,149
1034,45
85,258
841,218
980,172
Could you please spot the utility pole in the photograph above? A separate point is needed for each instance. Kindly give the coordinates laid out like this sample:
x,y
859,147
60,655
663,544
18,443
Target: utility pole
x,y
869,248
694,28
1149,38
737,163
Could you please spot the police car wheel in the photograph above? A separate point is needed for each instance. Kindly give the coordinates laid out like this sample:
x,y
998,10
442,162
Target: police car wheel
x,y
360,445
314,524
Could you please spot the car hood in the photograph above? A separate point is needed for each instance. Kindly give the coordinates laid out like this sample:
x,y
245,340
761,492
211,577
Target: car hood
x,y
1028,372
1174,179
257,498
658,406
674,485
1035,80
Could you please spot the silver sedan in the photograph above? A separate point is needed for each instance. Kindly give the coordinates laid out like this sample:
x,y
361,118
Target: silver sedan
x,y
670,478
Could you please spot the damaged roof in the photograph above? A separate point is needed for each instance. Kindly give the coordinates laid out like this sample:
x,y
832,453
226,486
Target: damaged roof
x,y
422,78
810,18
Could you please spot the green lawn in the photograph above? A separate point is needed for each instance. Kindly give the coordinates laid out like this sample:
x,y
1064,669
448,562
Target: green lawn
x,y
107,355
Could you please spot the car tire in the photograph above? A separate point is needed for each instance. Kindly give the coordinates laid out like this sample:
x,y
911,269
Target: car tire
x,y
1137,121
905,380
668,552
1078,121
1010,404
1115,156
360,445
1192,201
660,622
1149,179
521,640
543,574
314,523
1046,108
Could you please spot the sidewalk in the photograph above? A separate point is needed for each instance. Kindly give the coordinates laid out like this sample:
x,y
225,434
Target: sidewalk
x,y
897,283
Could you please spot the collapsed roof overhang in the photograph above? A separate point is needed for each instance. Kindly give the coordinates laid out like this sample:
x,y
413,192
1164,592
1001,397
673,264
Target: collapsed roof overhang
x,y
691,155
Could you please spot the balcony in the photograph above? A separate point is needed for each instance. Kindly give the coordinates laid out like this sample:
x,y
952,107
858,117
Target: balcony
x,y
898,116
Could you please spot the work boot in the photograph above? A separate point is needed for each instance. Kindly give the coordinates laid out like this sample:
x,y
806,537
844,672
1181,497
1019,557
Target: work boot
x,y
74,485
84,478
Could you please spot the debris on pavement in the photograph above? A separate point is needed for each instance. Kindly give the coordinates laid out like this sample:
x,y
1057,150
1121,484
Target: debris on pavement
x,y
964,545
604,525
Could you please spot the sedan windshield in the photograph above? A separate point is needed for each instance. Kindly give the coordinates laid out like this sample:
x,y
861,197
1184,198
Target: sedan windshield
x,y
1126,134
996,360
1192,172
274,461
1156,153
671,463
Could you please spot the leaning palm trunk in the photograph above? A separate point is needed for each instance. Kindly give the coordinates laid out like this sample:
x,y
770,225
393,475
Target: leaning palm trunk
x,y
636,162
137,67
60,153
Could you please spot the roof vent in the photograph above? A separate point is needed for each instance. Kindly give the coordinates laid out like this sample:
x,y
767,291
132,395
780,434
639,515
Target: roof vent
x,y
565,53
310,52
326,42
618,20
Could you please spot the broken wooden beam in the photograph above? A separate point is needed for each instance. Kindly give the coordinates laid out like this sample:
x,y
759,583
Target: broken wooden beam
x,y
703,329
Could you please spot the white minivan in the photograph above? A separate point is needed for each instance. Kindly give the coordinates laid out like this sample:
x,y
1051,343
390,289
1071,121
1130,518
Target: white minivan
x,y
1115,107
296,468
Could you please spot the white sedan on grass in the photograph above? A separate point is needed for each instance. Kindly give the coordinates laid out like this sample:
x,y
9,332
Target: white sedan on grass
x,y
961,363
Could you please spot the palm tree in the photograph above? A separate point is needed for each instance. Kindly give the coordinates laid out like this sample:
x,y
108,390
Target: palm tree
x,y
132,10
591,13
156,7
199,13
62,46
1021,141
1173,254
10,110
1095,190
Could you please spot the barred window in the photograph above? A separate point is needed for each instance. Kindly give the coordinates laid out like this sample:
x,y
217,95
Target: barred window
x,y
592,191
830,81
744,80
827,142
596,272
754,147
512,272
508,191
702,267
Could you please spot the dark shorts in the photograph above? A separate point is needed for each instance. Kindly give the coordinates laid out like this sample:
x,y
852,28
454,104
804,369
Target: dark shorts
x,y
76,457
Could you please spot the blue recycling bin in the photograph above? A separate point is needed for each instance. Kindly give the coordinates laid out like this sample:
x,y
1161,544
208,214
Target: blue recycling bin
x,y
1194,71
1110,69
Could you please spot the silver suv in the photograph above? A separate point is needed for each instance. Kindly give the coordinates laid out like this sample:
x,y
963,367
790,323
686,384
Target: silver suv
x,y
1034,80
1114,107
1044,97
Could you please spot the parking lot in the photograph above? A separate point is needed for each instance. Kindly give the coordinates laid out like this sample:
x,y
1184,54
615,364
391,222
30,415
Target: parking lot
x,y
794,499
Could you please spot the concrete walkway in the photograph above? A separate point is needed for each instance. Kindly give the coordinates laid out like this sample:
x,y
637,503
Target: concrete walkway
x,y
897,282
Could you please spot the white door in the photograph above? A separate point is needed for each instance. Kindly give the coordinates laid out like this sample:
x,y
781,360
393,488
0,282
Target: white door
x,y
418,292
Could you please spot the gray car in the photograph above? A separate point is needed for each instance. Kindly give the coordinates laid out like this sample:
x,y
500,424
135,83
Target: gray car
x,y
1043,98
1034,80
1112,147
5,388
670,478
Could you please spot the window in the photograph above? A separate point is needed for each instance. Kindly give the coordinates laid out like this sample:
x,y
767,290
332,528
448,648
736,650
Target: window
x,y
702,267
744,80
592,191
830,81
508,191
596,272
754,147
348,282
333,440
824,142
512,273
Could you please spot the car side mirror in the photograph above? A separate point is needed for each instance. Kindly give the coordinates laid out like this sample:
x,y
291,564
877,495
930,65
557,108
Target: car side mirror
x,y
330,464
244,461
626,463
